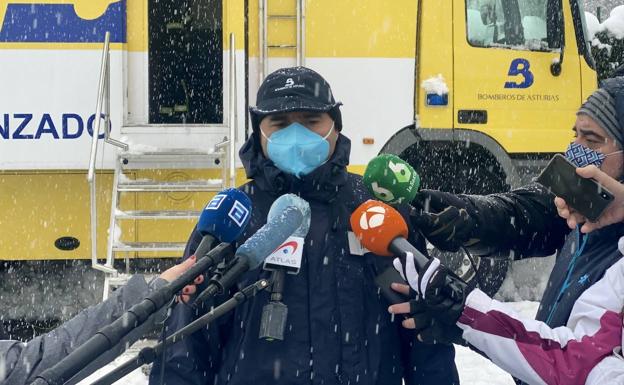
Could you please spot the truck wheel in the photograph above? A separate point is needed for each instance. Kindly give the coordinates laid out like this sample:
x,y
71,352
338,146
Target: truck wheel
x,y
460,168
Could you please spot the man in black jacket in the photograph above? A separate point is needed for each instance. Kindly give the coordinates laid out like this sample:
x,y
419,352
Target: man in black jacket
x,y
338,330
525,221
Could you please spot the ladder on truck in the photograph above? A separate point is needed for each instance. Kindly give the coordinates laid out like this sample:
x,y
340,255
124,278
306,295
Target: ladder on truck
x,y
281,30
130,162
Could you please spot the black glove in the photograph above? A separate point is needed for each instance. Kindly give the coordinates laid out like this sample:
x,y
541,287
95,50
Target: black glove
x,y
429,329
444,292
442,220
439,299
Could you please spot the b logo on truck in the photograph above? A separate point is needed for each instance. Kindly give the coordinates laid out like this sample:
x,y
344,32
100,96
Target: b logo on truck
x,y
520,67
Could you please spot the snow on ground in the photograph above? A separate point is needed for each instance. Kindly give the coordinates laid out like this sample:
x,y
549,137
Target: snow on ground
x,y
474,369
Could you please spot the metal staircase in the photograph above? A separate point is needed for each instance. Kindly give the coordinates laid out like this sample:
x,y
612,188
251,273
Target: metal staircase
x,y
130,163
269,21
159,160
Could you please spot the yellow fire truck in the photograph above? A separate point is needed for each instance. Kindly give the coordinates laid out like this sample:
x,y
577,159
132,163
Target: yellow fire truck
x,y
476,94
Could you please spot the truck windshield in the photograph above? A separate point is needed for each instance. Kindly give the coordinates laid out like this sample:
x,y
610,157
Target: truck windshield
x,y
515,24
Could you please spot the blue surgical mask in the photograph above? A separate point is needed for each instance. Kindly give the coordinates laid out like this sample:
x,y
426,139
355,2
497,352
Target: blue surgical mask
x,y
582,156
297,150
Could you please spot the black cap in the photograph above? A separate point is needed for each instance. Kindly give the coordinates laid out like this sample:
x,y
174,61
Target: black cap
x,y
294,89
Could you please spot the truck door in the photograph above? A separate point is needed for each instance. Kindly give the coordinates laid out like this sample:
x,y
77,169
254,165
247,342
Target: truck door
x,y
504,85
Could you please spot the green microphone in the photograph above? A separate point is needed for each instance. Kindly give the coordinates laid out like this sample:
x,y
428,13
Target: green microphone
x,y
391,179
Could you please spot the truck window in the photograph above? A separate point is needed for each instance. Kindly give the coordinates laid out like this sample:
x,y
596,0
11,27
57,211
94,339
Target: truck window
x,y
516,24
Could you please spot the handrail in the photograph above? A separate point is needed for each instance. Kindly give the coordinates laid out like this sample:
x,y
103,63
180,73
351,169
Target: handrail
x,y
98,106
262,38
233,119
103,97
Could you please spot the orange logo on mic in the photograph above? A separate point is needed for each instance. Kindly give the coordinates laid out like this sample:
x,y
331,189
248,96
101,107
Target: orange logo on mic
x,y
376,224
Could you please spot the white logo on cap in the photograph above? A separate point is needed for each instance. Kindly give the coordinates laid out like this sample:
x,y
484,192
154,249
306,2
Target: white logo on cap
x,y
290,83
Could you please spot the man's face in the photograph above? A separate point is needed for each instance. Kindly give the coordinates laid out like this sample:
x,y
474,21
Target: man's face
x,y
317,122
590,134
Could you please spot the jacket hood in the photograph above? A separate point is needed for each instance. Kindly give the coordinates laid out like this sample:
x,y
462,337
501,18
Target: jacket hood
x,y
321,184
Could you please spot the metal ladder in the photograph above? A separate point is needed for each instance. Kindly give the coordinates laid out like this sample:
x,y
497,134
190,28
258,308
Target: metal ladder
x,y
265,45
220,157
162,159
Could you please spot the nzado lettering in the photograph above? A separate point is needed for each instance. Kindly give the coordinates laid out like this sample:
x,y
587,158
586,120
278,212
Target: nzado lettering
x,y
46,126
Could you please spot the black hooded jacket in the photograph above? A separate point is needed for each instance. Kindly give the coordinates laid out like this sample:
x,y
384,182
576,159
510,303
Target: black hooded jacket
x,y
338,328
524,223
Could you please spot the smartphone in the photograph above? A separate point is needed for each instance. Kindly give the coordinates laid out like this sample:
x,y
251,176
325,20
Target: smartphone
x,y
385,279
586,196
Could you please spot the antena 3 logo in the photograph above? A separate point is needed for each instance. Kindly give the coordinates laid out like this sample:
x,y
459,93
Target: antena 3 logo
x,y
372,217
66,21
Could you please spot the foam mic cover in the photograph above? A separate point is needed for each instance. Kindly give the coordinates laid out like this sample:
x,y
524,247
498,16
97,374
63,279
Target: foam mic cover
x,y
286,200
391,179
270,236
226,215
376,225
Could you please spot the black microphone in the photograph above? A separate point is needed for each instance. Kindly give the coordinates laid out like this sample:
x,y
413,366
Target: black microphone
x,y
286,258
254,251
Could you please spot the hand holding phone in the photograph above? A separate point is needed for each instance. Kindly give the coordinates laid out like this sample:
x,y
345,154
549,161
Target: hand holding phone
x,y
586,196
613,214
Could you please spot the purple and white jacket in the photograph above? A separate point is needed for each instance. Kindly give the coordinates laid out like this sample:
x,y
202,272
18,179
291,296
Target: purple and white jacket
x,y
585,351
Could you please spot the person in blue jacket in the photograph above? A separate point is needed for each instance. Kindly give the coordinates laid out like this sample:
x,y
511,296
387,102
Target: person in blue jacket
x,y
338,330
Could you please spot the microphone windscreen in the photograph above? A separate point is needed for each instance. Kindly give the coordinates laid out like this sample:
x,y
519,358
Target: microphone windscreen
x,y
376,225
391,179
226,215
270,236
287,200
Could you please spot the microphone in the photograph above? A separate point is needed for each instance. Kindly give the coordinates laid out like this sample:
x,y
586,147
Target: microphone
x,y
223,219
288,255
286,258
391,179
382,230
253,252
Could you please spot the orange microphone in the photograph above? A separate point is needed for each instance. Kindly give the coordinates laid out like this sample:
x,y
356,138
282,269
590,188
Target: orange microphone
x,y
382,230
